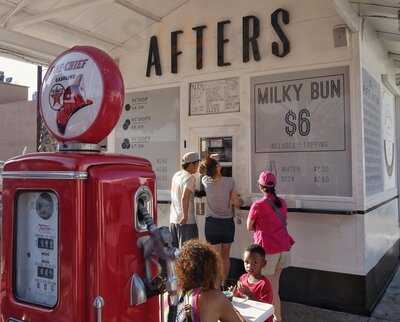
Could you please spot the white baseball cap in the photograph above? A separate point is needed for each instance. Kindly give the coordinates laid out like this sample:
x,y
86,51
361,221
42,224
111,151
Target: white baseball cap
x,y
190,157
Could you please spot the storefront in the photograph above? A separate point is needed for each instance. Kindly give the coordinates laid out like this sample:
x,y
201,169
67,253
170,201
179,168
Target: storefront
x,y
286,87
303,88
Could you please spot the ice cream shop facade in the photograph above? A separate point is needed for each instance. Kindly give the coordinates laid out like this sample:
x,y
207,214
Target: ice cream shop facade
x,y
305,89
287,87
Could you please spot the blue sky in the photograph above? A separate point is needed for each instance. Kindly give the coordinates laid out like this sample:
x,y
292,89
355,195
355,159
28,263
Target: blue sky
x,y
22,73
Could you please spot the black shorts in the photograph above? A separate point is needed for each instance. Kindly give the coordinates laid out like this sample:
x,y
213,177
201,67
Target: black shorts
x,y
183,233
219,230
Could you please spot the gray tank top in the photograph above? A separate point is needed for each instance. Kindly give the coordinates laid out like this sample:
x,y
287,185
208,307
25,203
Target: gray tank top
x,y
218,196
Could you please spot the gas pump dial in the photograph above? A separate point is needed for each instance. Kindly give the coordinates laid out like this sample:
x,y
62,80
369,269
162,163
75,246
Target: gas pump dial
x,y
37,248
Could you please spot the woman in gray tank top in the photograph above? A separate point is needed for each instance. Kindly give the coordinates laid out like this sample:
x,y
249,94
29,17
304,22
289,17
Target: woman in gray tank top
x,y
221,197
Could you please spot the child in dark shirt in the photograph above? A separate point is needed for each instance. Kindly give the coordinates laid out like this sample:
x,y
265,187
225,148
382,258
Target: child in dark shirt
x,y
253,285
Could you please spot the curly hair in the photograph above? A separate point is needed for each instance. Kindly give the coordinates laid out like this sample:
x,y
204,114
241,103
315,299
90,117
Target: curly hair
x,y
198,265
208,167
256,249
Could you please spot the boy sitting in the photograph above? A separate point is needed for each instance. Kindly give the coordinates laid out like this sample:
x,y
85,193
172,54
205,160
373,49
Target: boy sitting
x,y
253,285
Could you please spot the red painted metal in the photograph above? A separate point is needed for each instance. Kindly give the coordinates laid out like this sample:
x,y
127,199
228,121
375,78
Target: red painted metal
x,y
98,250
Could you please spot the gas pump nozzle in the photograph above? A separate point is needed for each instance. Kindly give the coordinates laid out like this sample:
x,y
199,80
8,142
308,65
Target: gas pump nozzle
x,y
158,249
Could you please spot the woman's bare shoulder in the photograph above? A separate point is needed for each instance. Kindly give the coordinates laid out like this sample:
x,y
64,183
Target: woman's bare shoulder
x,y
213,294
216,307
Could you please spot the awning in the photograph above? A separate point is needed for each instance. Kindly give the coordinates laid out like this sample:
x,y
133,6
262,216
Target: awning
x,y
38,30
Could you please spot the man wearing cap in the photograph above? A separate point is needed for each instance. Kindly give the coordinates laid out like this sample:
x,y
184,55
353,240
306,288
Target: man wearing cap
x,y
182,217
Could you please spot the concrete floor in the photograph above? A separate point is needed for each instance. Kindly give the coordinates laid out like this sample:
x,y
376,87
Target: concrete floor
x,y
388,309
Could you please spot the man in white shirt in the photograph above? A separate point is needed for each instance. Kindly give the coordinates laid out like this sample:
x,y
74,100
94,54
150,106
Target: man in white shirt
x,y
182,217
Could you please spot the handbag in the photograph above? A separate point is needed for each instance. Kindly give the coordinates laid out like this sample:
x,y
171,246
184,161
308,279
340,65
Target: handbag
x,y
282,219
277,212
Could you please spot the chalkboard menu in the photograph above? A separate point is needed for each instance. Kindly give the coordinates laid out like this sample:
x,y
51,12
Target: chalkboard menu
x,y
301,131
148,127
372,134
214,97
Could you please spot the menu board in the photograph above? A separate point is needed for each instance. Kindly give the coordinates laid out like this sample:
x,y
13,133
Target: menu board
x,y
301,131
149,128
214,97
372,134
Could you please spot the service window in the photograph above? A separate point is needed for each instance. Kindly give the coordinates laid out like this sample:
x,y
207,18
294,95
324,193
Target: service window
x,y
36,249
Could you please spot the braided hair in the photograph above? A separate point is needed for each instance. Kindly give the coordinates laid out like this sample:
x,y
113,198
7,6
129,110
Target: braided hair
x,y
271,190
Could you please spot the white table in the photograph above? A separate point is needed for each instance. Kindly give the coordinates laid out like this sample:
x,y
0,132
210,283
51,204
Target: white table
x,y
253,311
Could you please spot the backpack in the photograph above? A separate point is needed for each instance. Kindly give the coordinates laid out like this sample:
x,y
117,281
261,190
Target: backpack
x,y
188,307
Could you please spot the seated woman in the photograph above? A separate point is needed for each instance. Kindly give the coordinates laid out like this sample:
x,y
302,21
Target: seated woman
x,y
199,277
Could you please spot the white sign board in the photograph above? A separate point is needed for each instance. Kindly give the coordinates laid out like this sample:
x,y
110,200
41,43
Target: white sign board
x,y
149,128
214,97
301,131
372,134
389,146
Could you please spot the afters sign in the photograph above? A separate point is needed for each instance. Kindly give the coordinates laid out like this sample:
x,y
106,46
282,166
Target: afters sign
x,y
250,38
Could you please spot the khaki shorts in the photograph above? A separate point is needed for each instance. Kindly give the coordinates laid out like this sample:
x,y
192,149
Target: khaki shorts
x,y
275,261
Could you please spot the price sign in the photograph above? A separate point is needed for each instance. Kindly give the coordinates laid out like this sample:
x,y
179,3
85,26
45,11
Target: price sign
x,y
301,131
302,115
149,127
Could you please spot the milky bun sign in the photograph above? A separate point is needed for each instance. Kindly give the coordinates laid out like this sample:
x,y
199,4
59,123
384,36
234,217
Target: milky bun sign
x,y
82,95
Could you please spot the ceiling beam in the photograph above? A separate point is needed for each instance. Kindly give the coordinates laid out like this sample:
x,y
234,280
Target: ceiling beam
x,y
391,86
374,4
53,13
12,12
386,35
396,18
86,33
141,11
347,13
69,28
33,48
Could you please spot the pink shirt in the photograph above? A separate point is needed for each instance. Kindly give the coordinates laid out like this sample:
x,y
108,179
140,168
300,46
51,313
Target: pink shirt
x,y
269,232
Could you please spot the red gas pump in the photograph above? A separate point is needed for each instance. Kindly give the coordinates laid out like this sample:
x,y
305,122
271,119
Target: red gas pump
x,y
79,239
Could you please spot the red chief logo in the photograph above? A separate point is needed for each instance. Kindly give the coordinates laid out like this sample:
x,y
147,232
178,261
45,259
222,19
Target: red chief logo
x,y
82,95
72,101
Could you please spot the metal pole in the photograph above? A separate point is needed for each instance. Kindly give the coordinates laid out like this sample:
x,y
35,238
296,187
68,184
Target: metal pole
x,y
38,118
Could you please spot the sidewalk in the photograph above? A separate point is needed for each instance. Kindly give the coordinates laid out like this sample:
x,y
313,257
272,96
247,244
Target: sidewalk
x,y
388,309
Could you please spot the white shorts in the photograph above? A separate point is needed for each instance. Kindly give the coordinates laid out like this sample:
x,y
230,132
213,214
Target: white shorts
x,y
276,261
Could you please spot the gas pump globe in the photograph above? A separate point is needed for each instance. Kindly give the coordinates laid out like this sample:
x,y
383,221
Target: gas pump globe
x,y
80,241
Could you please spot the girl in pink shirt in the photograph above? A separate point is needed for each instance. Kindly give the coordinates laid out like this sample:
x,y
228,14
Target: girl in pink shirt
x,y
268,220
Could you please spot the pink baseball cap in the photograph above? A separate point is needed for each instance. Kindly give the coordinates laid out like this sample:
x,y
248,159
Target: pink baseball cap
x,y
267,179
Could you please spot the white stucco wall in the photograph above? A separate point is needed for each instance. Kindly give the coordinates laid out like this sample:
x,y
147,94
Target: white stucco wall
x,y
375,59
381,226
308,46
309,50
323,241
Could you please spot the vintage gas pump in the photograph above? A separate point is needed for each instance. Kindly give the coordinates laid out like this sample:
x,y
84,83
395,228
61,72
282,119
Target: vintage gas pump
x,y
80,242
